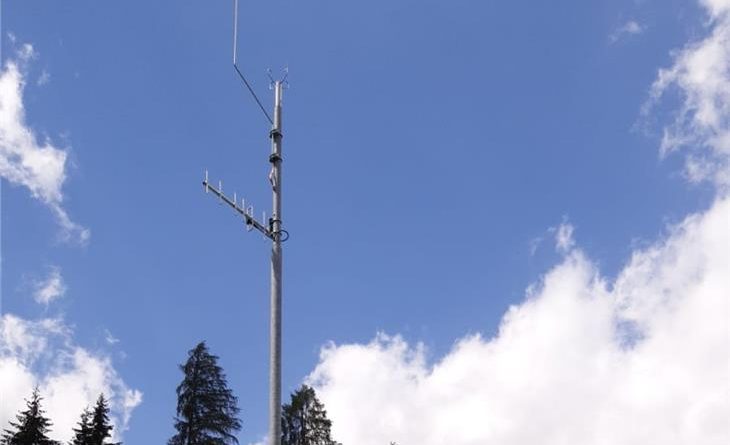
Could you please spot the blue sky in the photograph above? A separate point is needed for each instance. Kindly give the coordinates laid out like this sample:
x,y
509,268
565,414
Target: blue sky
x,y
429,149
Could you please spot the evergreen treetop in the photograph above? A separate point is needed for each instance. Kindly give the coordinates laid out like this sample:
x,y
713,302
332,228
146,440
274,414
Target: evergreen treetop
x,y
32,426
101,427
82,433
207,411
94,427
304,421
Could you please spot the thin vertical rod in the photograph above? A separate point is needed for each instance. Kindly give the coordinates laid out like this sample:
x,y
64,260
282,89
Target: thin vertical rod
x,y
276,266
235,30
235,64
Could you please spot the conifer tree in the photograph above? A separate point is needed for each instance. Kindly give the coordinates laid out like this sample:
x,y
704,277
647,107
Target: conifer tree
x,y
304,421
32,426
82,433
207,411
101,428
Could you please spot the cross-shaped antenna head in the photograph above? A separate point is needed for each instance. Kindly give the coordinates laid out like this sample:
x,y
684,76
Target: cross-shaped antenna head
x,y
283,81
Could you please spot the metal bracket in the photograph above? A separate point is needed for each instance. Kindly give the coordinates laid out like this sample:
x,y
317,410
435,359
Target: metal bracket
x,y
275,132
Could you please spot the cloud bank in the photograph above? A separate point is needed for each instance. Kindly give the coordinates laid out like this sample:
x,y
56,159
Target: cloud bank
x,y
26,161
642,358
70,377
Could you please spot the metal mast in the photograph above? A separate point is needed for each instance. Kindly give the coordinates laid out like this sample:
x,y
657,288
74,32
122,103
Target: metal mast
x,y
271,229
276,264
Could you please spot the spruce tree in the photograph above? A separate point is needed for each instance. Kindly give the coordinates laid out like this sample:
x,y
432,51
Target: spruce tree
x,y
82,433
101,428
207,411
32,426
304,421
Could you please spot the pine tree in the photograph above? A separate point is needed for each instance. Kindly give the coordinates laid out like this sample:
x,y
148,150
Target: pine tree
x,y
304,421
207,412
82,434
32,426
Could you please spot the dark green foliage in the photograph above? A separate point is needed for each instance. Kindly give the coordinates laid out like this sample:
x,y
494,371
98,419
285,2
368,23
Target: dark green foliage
x,y
101,429
94,427
304,421
207,412
82,433
32,426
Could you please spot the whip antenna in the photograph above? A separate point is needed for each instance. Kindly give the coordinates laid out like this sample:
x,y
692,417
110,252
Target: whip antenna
x,y
235,64
235,30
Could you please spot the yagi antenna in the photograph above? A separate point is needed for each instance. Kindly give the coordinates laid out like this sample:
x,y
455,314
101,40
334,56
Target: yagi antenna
x,y
235,64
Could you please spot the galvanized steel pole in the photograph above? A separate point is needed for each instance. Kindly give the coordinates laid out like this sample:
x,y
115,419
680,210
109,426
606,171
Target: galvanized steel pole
x,y
271,229
276,266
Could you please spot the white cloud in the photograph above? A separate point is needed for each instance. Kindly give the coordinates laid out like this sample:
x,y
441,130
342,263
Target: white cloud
x,y
564,241
24,160
51,288
26,52
110,338
562,234
70,377
44,78
701,75
630,28
716,8
642,359
534,244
